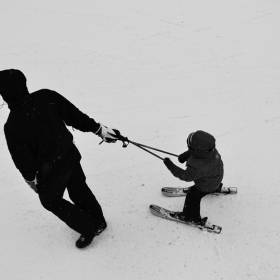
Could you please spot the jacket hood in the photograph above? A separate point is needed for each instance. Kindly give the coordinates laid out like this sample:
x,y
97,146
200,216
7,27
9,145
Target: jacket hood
x,y
12,86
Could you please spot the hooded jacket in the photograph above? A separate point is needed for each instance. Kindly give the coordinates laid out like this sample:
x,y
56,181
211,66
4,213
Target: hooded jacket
x,y
37,136
36,133
207,173
206,169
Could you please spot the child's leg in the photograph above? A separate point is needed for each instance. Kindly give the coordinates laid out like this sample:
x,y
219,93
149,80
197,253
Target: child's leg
x,y
191,209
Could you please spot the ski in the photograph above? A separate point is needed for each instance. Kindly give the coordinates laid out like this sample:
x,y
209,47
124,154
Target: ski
x,y
175,192
164,213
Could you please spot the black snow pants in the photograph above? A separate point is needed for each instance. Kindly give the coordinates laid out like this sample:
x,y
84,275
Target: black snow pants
x,y
192,204
84,214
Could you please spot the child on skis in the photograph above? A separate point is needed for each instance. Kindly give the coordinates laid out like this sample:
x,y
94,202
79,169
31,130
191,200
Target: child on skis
x,y
204,167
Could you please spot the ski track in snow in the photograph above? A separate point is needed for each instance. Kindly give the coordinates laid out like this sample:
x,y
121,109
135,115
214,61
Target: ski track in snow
x,y
156,70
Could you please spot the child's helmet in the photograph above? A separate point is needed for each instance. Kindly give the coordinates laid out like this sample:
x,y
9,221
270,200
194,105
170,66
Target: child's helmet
x,y
201,142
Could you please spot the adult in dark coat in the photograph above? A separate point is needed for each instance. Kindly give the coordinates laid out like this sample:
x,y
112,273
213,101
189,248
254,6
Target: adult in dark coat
x,y
42,149
204,166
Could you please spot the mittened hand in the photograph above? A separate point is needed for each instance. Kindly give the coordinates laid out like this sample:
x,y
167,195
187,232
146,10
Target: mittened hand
x,y
184,156
167,162
33,185
109,135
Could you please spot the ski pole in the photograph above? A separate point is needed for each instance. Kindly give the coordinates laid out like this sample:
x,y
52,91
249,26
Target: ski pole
x,y
146,150
126,141
137,144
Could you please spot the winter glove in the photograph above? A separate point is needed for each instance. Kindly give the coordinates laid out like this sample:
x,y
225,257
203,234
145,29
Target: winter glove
x,y
184,156
167,162
109,135
33,185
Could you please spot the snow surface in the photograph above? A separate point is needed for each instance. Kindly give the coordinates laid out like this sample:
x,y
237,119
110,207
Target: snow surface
x,y
156,70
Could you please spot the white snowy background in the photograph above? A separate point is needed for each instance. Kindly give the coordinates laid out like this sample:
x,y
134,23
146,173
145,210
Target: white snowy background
x,y
157,70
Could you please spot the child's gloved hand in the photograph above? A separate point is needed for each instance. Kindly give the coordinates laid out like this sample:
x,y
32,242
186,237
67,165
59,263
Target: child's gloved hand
x,y
184,156
167,162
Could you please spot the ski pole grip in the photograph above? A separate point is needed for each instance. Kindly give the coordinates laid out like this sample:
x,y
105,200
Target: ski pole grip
x,y
124,140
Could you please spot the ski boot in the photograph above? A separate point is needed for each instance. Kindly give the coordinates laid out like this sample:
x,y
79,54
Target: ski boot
x,y
182,217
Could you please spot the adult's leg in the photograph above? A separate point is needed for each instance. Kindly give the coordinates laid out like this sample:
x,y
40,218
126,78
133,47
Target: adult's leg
x,y
82,196
75,217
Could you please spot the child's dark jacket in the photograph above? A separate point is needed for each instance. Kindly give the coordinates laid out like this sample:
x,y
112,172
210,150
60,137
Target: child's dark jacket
x,y
37,136
206,172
